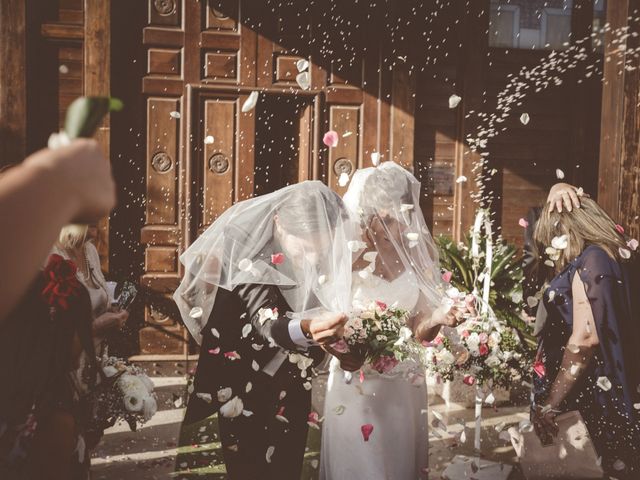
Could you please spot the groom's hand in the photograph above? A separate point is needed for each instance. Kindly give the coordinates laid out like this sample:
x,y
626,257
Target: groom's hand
x,y
326,329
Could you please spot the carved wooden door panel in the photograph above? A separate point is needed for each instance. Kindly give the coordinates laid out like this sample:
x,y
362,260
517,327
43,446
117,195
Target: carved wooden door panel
x,y
204,59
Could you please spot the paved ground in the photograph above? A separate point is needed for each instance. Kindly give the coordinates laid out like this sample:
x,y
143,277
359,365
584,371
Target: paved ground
x,y
151,452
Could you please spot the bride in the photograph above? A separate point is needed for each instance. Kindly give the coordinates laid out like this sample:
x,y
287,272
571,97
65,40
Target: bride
x,y
398,265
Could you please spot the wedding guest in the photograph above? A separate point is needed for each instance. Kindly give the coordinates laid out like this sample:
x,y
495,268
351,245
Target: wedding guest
x,y
587,348
263,286
50,189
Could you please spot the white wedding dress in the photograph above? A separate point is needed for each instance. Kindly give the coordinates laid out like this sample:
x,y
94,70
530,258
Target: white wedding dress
x,y
394,403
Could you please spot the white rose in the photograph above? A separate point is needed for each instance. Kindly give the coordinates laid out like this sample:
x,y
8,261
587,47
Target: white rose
x,y
445,357
109,371
147,382
224,394
492,361
150,407
232,408
134,401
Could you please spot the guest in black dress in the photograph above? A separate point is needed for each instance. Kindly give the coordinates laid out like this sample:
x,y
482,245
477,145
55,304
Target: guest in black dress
x,y
264,287
587,349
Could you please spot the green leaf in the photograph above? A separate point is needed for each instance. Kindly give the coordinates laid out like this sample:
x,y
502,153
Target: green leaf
x,y
85,114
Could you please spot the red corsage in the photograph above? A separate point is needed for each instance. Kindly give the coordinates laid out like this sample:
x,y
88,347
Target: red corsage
x,y
62,282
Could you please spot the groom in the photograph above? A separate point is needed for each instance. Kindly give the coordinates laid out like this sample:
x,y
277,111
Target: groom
x,y
255,362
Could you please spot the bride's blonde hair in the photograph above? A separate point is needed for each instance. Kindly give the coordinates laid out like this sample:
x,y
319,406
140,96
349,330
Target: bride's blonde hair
x,y
584,226
73,236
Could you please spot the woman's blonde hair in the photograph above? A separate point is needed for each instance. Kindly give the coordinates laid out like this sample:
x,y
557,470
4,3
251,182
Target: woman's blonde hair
x,y
73,236
584,226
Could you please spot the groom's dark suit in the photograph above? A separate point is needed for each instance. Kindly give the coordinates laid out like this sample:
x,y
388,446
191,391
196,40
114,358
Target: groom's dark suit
x,y
266,387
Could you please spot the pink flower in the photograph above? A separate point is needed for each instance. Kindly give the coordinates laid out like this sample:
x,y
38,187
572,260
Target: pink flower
x,y
483,349
277,258
330,138
483,337
214,351
620,229
633,244
468,380
366,431
523,223
232,355
446,276
381,305
340,346
385,364
313,421
538,367
465,333
361,376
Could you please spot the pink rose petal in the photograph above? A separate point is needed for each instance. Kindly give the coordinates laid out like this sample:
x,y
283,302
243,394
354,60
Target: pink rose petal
x,y
330,138
538,367
382,305
620,229
232,355
361,376
468,380
523,223
633,244
277,258
366,431
446,276
214,351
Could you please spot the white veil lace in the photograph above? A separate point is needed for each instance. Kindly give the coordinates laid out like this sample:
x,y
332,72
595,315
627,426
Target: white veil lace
x,y
387,201
295,238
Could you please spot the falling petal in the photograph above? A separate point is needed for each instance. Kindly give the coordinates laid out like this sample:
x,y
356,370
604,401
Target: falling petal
x,y
303,80
532,301
246,330
539,368
277,258
574,370
174,114
280,416
361,376
343,180
224,394
406,207
63,69
624,253
248,387
375,159
552,295
347,134
559,174
560,242
412,236
549,263
461,179
454,101
330,139
214,351
633,244
215,333
247,413
245,265
523,223
446,276
283,394
366,429
370,256
257,347
205,396
604,383
251,101
619,465
490,399
339,410
255,365
232,355
620,229
196,312
208,140
524,118
269,453
302,65
355,245
322,279
307,385
314,463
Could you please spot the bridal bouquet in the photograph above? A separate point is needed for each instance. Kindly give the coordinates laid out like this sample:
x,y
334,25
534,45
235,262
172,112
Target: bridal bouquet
x,y
484,350
379,333
129,394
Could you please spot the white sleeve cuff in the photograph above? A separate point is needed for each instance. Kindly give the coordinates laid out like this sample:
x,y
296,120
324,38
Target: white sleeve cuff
x,y
297,335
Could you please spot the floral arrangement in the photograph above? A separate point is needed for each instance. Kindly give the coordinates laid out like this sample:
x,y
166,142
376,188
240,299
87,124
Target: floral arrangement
x,y
131,394
464,271
379,334
484,350
62,283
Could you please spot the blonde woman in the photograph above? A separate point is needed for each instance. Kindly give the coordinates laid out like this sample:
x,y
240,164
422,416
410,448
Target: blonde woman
x,y
587,357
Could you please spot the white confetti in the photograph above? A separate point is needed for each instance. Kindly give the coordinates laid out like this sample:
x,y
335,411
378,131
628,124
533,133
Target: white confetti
x,y
524,118
204,396
245,265
560,242
307,385
255,365
624,253
355,245
461,179
454,101
559,174
322,279
174,114
248,387
375,159
406,207
574,370
490,399
196,312
208,140
370,256
347,134
251,101
224,394
232,408
63,69
283,394
215,333
413,237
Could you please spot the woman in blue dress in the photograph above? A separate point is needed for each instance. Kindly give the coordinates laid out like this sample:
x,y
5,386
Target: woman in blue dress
x,y
587,357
